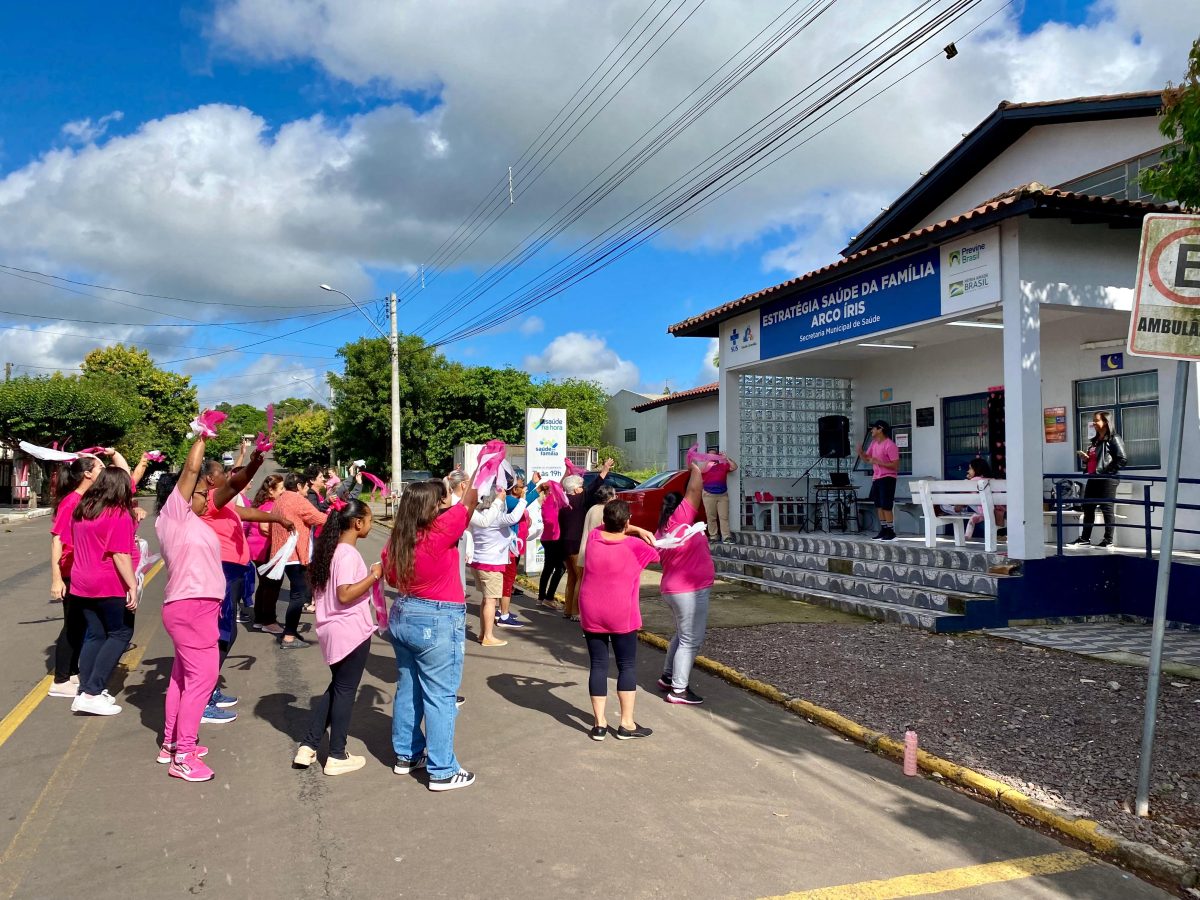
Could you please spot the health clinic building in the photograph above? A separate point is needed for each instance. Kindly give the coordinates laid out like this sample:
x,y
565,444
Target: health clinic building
x,y
984,313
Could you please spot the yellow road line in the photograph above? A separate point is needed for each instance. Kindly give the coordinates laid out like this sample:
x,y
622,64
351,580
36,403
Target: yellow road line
x,y
19,713
14,862
950,879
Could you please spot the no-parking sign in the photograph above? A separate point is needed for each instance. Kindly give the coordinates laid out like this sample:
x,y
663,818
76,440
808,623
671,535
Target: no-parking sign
x,y
1166,300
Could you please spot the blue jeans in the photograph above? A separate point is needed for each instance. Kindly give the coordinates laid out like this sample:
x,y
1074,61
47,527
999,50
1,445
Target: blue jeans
x,y
691,618
428,637
107,635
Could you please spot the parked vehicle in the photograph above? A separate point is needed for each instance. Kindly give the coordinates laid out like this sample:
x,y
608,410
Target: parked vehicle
x,y
614,480
227,458
646,499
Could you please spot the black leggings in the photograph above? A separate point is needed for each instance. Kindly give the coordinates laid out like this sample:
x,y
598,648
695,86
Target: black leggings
x,y
1099,489
554,564
624,649
332,709
266,599
298,595
70,639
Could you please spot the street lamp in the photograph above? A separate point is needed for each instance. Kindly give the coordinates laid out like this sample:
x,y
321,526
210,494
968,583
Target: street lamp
x,y
394,344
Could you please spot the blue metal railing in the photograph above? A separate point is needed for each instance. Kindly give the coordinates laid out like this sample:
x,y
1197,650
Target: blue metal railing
x,y
1062,481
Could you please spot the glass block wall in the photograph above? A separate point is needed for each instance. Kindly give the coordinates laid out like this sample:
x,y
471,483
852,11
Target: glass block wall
x,y
779,422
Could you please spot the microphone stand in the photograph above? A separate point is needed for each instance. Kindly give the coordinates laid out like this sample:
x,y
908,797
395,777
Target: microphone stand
x,y
807,490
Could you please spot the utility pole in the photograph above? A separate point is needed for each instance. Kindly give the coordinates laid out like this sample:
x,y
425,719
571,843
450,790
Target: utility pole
x,y
8,371
397,483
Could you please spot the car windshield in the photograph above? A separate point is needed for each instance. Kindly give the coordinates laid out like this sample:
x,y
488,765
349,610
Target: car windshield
x,y
655,482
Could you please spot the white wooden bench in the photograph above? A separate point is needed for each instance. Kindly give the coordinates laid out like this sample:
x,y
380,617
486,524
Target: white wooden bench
x,y
985,493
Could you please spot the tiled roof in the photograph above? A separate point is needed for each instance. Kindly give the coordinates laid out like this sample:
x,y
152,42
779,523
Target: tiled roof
x,y
705,390
1013,202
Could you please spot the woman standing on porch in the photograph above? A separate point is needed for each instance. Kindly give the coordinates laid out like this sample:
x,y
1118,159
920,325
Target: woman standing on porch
x,y
1105,456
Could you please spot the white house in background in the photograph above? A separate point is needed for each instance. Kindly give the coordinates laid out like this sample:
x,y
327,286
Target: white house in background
x,y
691,418
641,439
984,313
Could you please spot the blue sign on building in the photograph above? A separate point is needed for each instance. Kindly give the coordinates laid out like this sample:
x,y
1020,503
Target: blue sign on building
x,y
898,293
1110,362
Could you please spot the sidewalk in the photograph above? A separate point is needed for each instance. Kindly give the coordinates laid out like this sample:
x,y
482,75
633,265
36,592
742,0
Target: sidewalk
x,y
12,515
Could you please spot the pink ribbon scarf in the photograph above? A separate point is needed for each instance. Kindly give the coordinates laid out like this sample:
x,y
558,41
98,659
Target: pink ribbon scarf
x,y
154,456
706,460
206,424
263,444
495,473
381,614
378,482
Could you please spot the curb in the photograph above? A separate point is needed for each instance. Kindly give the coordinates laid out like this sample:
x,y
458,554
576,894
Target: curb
x,y
21,517
1138,856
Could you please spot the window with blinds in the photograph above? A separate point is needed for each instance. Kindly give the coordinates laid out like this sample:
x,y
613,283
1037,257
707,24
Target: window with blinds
x,y
1131,403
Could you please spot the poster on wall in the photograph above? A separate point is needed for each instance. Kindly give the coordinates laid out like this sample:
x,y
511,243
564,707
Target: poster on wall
x,y
1055,419
546,453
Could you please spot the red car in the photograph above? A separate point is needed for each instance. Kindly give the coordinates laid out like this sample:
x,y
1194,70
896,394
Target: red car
x,y
646,500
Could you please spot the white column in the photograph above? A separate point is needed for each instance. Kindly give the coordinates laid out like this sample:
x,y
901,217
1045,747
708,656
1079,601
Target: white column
x,y
729,423
1023,426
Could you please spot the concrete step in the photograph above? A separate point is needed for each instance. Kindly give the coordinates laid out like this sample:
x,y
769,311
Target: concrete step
x,y
907,550
957,581
874,589
914,617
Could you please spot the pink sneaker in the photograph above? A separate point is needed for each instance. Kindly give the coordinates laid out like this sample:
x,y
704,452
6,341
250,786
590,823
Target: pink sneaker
x,y
166,753
190,768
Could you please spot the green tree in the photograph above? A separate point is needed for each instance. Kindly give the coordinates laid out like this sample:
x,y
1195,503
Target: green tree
x,y
243,419
166,400
584,402
475,404
1177,177
68,410
293,406
303,439
362,414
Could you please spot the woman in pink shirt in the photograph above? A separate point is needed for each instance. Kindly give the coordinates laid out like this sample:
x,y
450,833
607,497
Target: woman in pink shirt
x,y
610,613
428,627
341,585
686,584
103,581
191,605
81,475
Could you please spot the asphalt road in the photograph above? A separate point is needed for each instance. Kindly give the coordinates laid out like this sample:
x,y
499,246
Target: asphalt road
x,y
734,799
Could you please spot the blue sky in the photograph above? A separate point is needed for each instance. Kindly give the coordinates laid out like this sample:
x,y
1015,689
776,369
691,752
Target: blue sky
x,y
112,69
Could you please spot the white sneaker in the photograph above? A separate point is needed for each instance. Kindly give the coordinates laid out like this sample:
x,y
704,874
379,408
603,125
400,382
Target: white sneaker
x,y
104,705
460,779
63,689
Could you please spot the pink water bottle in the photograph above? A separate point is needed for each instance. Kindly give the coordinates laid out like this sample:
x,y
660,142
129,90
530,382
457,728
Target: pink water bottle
x,y
910,752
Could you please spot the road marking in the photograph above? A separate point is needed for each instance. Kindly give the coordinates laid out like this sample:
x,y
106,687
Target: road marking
x,y
11,722
14,862
950,879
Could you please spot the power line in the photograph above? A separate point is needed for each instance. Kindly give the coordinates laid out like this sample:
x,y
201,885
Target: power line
x,y
141,343
104,287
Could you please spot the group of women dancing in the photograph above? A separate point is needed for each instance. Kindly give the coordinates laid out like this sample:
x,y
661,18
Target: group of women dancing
x,y
216,544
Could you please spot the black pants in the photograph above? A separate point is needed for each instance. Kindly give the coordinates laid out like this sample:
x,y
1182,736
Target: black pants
x,y
554,564
624,649
266,600
332,709
1099,489
70,639
107,635
298,595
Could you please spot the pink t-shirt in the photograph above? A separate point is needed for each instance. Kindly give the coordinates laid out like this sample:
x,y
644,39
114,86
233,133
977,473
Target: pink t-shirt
x,y
342,627
192,553
689,567
62,528
227,525
714,478
550,531
255,539
435,559
612,570
886,450
93,573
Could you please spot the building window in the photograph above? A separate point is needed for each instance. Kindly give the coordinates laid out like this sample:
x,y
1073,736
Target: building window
x,y
630,435
1131,404
1120,181
712,442
685,444
778,422
899,416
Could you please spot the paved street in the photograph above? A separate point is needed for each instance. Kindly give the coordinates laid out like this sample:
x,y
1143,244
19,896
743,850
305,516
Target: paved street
x,y
735,799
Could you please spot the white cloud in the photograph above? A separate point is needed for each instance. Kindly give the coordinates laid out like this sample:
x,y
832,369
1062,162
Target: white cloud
x,y
215,203
531,326
267,379
85,131
587,356
708,364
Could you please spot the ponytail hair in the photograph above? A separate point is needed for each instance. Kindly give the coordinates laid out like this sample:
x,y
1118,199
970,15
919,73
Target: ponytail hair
x,y
73,476
337,523
670,504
